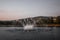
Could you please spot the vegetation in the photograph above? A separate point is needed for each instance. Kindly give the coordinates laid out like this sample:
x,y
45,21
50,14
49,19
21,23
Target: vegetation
x,y
39,21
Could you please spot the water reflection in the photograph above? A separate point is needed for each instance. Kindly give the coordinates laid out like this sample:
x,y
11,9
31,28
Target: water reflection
x,y
41,33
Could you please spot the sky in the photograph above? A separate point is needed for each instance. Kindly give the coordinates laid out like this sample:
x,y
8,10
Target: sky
x,y
17,9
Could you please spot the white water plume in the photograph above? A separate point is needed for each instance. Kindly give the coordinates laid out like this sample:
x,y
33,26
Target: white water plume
x,y
28,27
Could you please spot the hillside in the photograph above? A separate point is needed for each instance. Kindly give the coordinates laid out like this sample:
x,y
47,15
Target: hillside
x,y
36,21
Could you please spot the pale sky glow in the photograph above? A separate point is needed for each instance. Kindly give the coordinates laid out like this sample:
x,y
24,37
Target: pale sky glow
x,y
15,9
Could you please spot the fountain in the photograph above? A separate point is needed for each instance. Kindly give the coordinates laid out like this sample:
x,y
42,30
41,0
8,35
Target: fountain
x,y
28,27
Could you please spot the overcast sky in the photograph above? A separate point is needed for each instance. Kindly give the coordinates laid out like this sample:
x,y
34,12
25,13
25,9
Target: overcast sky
x,y
15,9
